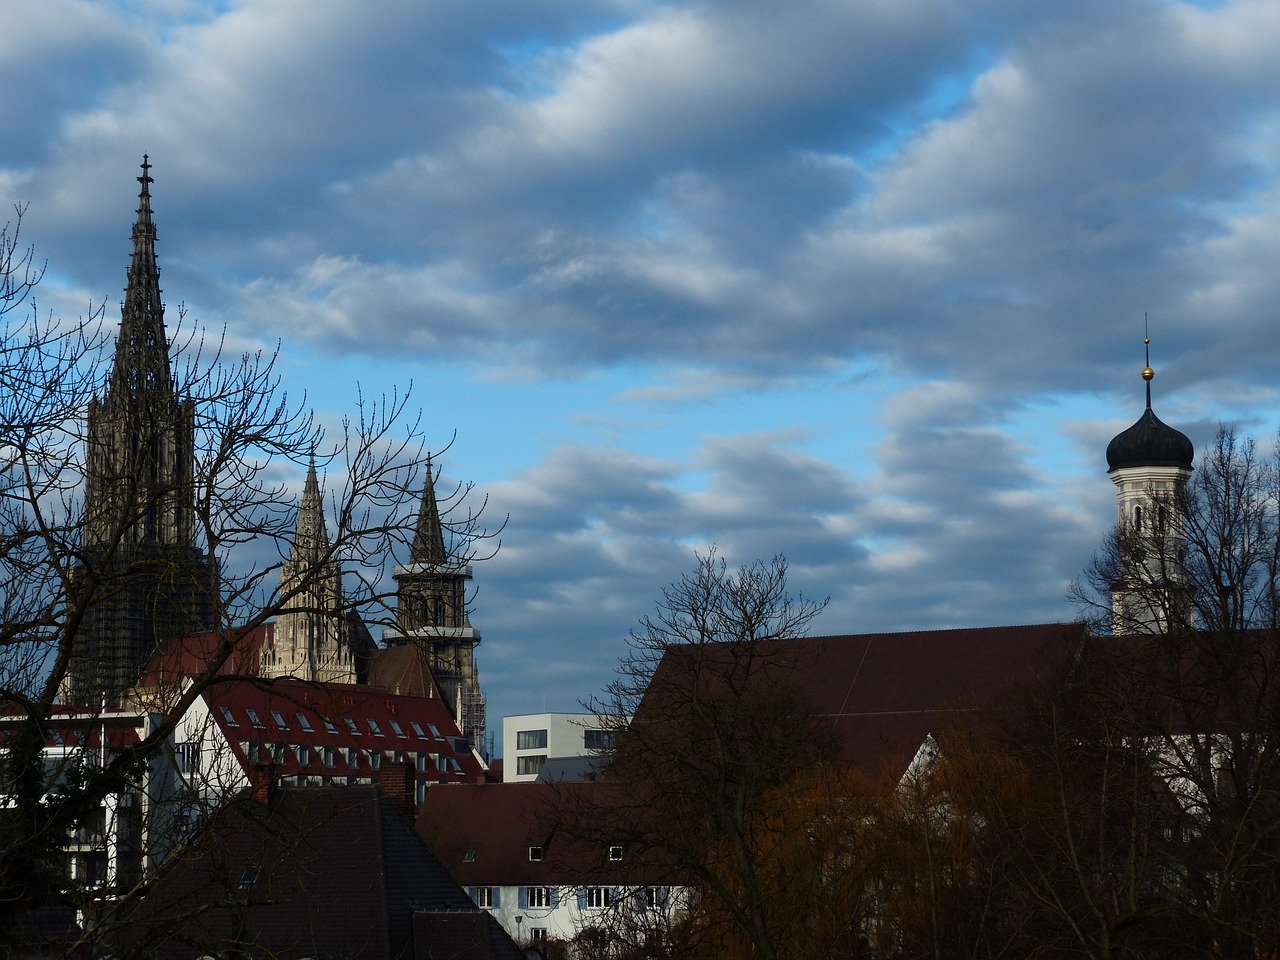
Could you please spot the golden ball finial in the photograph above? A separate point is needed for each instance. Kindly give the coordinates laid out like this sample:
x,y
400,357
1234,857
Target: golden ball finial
x,y
1147,373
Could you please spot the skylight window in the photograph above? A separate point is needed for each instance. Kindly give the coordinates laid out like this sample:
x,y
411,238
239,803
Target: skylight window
x,y
304,722
328,724
399,730
417,728
228,716
373,725
435,731
278,717
255,719
351,725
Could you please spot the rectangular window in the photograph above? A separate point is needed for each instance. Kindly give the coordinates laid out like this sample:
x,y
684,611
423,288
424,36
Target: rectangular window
x,y
435,731
420,792
328,724
529,766
535,854
652,898
278,717
351,725
417,728
531,740
255,719
598,898
597,739
187,757
539,897
484,898
328,757
395,725
304,722
538,937
228,716
615,852
304,754
373,725
353,758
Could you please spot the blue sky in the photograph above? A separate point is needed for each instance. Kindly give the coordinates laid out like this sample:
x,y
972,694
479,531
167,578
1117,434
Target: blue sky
x,y
858,282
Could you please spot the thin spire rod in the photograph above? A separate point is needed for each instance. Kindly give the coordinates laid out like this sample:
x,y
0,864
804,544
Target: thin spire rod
x,y
1147,372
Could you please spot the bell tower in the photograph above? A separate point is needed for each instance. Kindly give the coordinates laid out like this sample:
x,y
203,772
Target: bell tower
x,y
1150,464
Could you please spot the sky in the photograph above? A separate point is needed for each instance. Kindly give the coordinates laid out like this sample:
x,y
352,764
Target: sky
x,y
858,282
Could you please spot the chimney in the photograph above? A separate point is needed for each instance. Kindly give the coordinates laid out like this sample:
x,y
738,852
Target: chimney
x,y
262,781
398,783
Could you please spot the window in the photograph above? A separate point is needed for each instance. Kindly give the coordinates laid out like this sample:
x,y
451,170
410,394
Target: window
x,y
435,731
255,719
484,897
653,898
469,856
538,937
187,757
278,717
351,725
531,740
598,898
417,728
250,876
373,725
353,758
328,724
304,722
399,730
535,854
615,852
529,766
304,754
538,897
228,716
597,739
328,757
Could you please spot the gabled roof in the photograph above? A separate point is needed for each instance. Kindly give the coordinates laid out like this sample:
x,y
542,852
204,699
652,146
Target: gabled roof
x,y
883,693
176,660
346,717
483,835
311,872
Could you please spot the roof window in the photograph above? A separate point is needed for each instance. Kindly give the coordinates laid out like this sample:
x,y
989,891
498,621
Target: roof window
x,y
615,852
328,724
278,717
417,728
351,725
399,730
373,725
228,716
304,722
535,854
255,719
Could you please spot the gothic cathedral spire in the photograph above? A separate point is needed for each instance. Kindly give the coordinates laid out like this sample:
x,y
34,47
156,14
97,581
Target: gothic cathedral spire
x,y
431,613
141,573
314,639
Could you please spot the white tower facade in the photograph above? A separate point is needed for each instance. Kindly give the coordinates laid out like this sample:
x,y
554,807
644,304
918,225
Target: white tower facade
x,y
1150,464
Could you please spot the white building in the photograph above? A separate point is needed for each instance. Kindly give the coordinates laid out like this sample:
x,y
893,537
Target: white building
x,y
531,741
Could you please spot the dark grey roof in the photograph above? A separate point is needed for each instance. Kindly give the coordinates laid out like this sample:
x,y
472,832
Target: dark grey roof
x,y
324,871
1150,443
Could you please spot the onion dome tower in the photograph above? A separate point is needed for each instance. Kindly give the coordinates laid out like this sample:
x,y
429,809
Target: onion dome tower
x,y
1150,464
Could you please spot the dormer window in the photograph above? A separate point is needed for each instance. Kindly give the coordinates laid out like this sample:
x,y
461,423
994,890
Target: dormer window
x,y
615,852
535,854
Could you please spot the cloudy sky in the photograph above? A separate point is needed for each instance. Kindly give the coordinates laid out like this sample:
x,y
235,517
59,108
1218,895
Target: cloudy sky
x,y
861,282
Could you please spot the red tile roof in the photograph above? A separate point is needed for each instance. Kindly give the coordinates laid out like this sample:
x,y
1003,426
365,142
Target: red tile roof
x,y
260,714
175,660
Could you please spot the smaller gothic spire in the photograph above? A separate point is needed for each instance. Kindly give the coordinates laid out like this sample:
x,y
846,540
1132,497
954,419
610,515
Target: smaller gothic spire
x,y
311,542
428,538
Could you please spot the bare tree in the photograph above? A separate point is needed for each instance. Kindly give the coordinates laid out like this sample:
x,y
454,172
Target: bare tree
x,y
707,783
64,553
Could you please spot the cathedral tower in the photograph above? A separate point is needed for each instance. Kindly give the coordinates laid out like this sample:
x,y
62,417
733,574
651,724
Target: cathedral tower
x,y
314,639
431,612
141,573
1150,463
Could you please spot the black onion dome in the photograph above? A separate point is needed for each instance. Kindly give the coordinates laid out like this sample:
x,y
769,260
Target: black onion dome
x,y
1150,443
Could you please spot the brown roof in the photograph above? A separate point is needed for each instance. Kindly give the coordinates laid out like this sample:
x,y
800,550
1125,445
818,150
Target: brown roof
x,y
175,660
312,872
402,669
884,693
483,833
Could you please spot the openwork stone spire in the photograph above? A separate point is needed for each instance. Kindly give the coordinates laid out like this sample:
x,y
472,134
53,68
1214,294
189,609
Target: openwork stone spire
x,y
142,353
